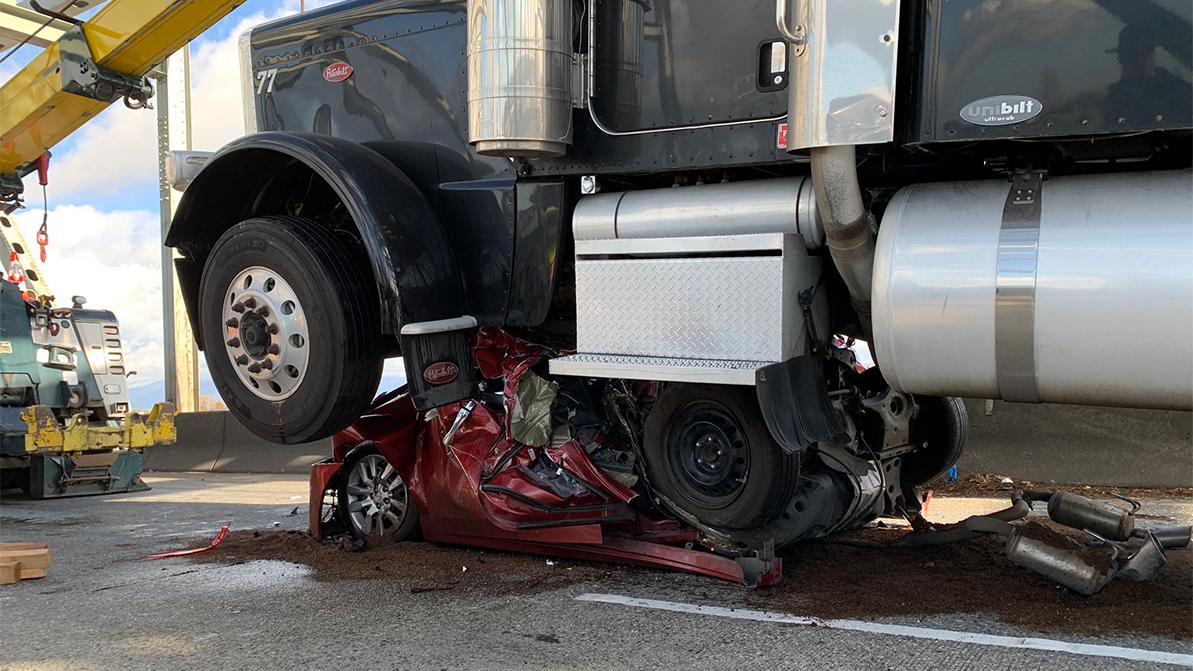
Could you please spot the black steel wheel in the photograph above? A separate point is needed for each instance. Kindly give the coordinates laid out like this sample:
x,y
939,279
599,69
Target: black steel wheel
x,y
708,451
373,500
289,319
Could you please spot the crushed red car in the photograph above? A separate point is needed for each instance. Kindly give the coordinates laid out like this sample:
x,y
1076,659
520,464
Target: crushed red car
x,y
492,472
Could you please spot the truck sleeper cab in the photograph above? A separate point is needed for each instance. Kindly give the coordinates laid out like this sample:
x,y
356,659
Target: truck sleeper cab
x,y
689,200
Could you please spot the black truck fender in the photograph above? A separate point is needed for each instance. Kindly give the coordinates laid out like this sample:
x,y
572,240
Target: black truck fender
x,y
407,245
417,274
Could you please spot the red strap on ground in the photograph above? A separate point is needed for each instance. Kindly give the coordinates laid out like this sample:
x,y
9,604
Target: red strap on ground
x,y
219,538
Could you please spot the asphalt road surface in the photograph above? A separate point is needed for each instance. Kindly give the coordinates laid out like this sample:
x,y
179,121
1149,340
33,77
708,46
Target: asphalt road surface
x,y
101,607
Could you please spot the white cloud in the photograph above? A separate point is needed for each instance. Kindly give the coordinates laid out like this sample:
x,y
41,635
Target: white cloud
x,y
217,114
216,103
114,259
11,66
115,150
119,147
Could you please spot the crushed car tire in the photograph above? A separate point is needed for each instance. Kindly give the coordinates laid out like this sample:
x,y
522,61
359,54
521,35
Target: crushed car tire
x,y
387,511
707,450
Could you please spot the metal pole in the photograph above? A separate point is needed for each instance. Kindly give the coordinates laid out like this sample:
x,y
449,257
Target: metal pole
x,y
162,101
174,132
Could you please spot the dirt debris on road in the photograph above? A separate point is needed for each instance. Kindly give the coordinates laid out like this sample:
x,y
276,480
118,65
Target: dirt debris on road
x,y
835,579
427,567
984,485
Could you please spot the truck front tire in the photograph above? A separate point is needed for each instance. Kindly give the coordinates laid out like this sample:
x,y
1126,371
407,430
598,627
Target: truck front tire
x,y
290,327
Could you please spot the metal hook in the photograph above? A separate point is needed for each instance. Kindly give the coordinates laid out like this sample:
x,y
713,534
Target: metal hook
x,y
1114,546
1135,505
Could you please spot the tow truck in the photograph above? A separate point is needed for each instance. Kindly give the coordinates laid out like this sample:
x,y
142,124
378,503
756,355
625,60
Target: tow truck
x,y
66,428
91,64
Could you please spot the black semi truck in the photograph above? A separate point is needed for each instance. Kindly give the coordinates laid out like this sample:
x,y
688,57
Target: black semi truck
x,y
691,202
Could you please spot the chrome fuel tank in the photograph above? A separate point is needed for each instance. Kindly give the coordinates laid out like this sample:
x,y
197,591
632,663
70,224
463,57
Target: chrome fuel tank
x,y
1085,296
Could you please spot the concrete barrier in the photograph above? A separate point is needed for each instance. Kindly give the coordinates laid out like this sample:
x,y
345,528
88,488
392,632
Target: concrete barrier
x,y
1041,443
1078,444
214,442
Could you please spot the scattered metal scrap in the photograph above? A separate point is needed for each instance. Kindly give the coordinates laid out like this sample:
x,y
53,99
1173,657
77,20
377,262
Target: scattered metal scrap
x,y
1118,546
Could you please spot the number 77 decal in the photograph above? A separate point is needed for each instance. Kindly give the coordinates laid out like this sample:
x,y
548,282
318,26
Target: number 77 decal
x,y
265,80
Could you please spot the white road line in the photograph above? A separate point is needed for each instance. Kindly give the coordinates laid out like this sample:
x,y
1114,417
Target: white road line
x,y
1135,654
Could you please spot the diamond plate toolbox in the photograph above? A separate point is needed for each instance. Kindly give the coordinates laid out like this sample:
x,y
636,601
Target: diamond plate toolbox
x,y
720,297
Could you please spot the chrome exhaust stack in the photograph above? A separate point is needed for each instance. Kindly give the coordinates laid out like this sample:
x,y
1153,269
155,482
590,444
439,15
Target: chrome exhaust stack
x,y
520,77
848,227
861,111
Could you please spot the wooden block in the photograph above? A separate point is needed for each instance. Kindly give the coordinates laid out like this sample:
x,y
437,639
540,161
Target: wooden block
x,y
9,571
34,558
31,573
22,546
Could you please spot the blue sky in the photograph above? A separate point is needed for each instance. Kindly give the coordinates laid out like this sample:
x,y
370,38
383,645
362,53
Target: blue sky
x,y
103,197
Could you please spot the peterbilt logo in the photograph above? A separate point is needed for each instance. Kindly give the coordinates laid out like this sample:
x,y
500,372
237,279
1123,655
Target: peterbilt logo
x,y
337,72
1001,110
441,372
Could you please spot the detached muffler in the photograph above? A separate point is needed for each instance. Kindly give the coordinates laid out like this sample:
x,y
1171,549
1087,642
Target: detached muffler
x,y
1059,558
1084,568
1074,510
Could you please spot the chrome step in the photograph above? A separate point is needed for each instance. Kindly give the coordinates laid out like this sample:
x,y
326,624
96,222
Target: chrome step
x,y
666,369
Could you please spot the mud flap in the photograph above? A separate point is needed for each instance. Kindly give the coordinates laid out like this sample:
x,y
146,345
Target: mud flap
x,y
794,401
439,368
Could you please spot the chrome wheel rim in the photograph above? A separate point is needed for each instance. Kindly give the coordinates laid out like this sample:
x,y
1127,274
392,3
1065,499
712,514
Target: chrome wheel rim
x,y
265,333
377,497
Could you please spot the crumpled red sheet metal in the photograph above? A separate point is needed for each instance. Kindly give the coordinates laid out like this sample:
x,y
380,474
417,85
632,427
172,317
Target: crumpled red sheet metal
x,y
497,353
219,538
486,490
573,458
525,491
500,355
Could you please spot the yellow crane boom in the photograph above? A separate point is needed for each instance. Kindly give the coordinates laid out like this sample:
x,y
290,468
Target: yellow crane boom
x,y
94,63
